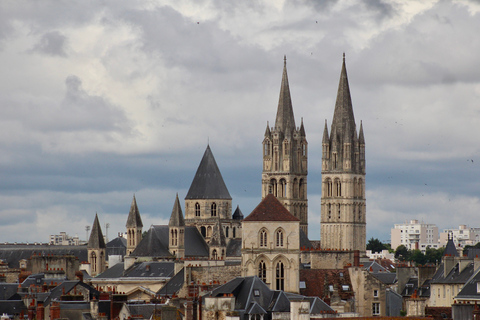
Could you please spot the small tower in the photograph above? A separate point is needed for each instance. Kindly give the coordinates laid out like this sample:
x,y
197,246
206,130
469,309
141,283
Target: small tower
x,y
208,200
176,231
218,243
134,227
343,210
285,158
96,249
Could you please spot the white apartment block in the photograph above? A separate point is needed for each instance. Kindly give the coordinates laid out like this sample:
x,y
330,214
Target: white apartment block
x,y
415,235
63,239
462,236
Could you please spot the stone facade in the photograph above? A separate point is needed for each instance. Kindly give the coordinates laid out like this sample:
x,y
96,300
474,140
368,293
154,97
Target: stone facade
x,y
285,159
343,209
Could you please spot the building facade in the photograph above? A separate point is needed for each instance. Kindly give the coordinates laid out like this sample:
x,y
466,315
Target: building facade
x,y
415,235
343,205
285,158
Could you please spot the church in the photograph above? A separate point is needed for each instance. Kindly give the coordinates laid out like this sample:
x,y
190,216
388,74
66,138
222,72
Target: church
x,y
213,241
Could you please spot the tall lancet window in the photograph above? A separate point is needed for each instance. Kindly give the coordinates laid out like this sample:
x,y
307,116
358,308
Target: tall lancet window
x,y
280,276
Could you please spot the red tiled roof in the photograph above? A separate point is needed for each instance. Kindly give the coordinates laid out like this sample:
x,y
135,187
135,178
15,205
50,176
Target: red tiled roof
x,y
318,280
270,209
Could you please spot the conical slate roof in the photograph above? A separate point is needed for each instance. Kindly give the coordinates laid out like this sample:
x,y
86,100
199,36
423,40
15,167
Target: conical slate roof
x,y
343,117
450,249
270,209
134,220
218,237
96,236
237,215
176,219
285,120
208,182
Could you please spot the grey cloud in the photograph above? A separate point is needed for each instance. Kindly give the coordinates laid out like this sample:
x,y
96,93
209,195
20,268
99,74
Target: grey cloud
x,y
51,43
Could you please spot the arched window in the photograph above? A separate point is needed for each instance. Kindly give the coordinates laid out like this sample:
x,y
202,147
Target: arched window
x,y
301,188
263,238
233,232
175,237
214,254
338,188
360,188
295,188
279,238
226,232
203,231
272,188
329,210
283,188
209,232
338,205
262,271
304,149
280,276
197,209
93,258
329,187
213,209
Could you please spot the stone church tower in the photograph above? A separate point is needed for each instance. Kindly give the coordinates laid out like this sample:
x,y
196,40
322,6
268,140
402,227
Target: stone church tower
x,y
285,158
176,231
96,249
208,201
343,210
134,227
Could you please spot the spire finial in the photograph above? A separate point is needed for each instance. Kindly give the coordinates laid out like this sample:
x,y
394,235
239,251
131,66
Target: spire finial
x,y
284,59
344,57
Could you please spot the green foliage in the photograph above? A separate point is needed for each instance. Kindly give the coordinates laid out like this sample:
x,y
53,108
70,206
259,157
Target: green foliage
x,y
375,245
402,253
431,255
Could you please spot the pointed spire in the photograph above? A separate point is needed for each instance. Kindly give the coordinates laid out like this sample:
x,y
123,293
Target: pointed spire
x,y
285,120
325,134
267,131
361,138
237,215
218,237
96,240
176,219
134,220
302,129
343,113
208,181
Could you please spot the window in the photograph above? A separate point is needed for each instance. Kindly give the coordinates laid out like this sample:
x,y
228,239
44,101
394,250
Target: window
x,y
214,254
213,209
256,293
329,211
279,238
263,238
262,271
226,232
197,209
280,276
375,308
375,293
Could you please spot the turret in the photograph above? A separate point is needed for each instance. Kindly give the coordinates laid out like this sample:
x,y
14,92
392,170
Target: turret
x,y
134,227
176,231
96,249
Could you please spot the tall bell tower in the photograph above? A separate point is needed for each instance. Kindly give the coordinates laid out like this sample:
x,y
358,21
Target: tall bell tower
x,y
343,209
285,158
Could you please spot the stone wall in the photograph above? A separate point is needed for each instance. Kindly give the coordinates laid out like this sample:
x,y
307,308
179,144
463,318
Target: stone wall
x,y
331,259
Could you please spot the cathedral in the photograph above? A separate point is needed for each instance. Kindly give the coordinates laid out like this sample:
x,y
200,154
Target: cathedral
x,y
271,242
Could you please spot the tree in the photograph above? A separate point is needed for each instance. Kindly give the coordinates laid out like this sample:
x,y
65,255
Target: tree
x,y
402,253
375,245
434,255
417,256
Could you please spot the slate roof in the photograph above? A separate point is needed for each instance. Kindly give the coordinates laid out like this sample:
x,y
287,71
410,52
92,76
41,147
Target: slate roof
x,y
373,266
237,215
8,291
176,218
173,285
304,241
134,220
385,277
469,290
96,236
144,310
117,247
252,296
285,120
155,243
208,182
270,209
113,272
66,287
13,253
159,269
450,249
454,275
12,307
234,248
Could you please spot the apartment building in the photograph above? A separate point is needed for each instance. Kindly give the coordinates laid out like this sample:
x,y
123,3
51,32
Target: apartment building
x,y
415,235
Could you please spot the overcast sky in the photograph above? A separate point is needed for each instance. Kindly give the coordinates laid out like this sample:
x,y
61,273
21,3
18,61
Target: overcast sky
x,y
103,99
